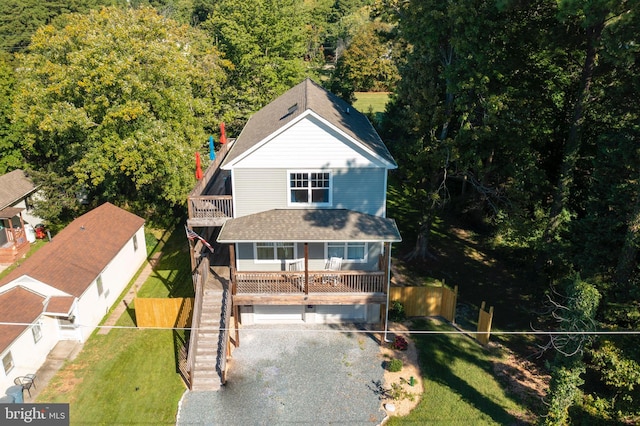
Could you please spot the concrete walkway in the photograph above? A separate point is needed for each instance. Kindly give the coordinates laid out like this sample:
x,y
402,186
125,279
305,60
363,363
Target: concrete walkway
x,y
131,294
63,351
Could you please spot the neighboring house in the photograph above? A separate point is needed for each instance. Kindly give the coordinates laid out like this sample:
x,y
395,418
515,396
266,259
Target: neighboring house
x,y
63,290
305,182
16,211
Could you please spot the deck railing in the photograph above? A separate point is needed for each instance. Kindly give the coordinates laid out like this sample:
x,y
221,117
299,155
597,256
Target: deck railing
x,y
210,206
319,282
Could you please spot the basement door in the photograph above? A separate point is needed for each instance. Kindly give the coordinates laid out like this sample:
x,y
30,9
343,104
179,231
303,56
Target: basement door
x,y
278,314
341,313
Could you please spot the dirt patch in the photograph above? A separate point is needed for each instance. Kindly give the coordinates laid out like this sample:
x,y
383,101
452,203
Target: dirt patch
x,y
400,391
521,378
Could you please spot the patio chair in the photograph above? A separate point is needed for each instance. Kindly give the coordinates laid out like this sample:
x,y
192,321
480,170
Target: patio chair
x,y
334,264
297,265
25,382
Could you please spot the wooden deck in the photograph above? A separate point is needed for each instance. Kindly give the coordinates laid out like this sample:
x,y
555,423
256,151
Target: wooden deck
x,y
322,287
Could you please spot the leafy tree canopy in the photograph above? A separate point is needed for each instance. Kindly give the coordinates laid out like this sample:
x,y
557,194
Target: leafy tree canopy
x,y
113,105
265,41
19,19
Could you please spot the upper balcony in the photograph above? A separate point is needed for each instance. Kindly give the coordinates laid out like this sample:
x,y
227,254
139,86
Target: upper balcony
x,y
210,202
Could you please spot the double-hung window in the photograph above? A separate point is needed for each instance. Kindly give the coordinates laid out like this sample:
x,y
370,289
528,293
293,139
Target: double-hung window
x,y
310,188
275,251
7,362
36,330
349,252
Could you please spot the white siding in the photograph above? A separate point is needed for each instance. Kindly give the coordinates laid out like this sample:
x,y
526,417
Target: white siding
x,y
259,190
115,277
27,354
309,144
360,189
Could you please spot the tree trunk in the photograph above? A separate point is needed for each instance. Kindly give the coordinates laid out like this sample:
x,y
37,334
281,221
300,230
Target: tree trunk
x,y
629,251
574,138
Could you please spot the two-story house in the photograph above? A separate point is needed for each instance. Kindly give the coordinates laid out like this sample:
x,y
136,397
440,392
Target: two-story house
x,y
304,182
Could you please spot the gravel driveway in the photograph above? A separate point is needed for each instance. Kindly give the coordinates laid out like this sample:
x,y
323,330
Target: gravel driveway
x,y
294,374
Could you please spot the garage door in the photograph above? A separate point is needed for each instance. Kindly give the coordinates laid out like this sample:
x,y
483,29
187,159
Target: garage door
x,y
337,313
278,314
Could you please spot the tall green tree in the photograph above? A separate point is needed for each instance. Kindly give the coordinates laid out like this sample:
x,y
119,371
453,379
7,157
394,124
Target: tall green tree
x,y
367,64
19,19
10,155
114,105
265,42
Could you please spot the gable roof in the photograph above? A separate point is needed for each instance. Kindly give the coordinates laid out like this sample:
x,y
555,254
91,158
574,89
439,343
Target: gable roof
x,y
297,102
19,306
309,225
81,251
14,186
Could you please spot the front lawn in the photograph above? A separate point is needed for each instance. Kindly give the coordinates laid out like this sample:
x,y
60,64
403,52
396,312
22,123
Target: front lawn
x,y
459,384
129,376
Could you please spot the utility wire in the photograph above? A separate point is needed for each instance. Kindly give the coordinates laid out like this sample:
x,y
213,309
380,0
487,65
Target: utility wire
x,y
321,330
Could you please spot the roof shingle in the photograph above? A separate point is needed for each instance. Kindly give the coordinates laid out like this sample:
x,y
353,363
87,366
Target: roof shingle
x,y
19,306
81,251
308,95
309,225
14,186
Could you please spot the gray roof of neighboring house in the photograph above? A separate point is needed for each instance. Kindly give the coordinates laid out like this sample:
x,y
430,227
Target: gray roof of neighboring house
x,y
309,225
81,251
14,186
296,101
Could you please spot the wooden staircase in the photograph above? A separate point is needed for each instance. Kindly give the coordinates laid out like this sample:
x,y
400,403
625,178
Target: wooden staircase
x,y
209,361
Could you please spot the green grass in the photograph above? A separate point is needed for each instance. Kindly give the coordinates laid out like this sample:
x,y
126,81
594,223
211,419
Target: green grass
x,y
172,276
371,101
129,376
460,387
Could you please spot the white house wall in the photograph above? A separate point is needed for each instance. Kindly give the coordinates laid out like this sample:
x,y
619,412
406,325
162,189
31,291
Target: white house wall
x,y
27,354
115,277
309,144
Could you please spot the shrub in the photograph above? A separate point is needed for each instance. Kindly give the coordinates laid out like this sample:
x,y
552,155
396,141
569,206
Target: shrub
x,y
394,365
400,343
396,311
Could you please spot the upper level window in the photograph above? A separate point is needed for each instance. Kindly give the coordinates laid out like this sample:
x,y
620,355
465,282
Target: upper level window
x,y
275,251
135,243
353,252
310,188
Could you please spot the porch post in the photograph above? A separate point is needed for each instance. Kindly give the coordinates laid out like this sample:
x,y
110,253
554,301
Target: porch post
x,y
306,268
234,289
387,250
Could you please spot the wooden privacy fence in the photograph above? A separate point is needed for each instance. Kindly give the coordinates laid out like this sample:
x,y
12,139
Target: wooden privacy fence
x,y
174,312
427,301
484,324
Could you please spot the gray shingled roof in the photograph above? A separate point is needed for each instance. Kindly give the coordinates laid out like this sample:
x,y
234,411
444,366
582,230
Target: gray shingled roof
x,y
296,101
14,186
309,225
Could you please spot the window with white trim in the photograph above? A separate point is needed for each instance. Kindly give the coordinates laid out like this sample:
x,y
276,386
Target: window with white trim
x,y
36,330
275,251
99,285
310,188
7,362
349,252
